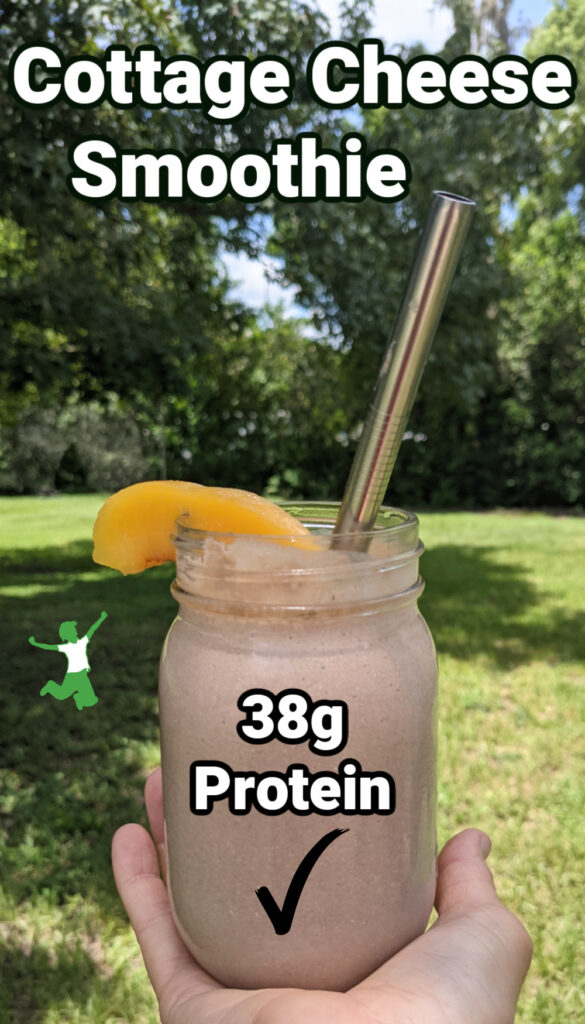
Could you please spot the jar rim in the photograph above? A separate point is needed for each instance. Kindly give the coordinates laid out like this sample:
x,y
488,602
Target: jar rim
x,y
298,570
314,511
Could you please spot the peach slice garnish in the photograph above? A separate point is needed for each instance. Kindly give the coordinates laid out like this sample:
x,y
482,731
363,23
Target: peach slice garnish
x,y
134,526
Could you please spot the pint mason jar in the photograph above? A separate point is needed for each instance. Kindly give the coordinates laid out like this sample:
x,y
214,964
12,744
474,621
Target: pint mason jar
x,y
298,696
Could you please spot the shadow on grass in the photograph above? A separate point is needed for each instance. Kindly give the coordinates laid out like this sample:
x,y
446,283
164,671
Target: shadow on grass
x,y
72,557
35,977
70,778
475,605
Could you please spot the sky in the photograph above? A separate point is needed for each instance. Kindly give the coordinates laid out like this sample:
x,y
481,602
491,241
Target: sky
x,y
395,21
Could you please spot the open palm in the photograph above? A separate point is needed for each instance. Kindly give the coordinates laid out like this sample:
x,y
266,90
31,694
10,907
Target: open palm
x,y
468,967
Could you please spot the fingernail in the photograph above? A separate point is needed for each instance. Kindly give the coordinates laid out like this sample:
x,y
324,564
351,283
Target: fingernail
x,y
485,844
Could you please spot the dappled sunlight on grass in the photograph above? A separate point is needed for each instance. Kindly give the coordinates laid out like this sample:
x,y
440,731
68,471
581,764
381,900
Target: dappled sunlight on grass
x,y
505,599
477,605
69,779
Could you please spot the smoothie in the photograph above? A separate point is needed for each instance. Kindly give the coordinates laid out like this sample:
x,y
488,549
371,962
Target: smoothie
x,y
298,697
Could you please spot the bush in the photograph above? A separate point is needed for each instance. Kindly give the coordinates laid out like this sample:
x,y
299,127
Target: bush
x,y
78,447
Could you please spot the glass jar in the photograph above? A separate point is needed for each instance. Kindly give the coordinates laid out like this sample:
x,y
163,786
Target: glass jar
x,y
298,691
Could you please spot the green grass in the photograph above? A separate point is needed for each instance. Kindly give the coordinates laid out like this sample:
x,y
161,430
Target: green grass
x,y
505,600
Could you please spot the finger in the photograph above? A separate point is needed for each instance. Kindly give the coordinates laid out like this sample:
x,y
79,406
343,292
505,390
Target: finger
x,y
154,805
154,810
466,892
464,879
476,953
154,799
146,900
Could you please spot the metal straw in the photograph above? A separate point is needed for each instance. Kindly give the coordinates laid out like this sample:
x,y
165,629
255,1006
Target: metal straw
x,y
422,305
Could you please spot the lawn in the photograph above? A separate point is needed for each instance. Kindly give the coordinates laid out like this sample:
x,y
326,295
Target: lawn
x,y
505,599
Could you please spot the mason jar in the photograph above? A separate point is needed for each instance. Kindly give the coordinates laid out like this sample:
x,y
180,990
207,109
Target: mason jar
x,y
298,699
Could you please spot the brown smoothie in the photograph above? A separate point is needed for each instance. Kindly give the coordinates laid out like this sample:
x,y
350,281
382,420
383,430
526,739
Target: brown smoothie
x,y
262,617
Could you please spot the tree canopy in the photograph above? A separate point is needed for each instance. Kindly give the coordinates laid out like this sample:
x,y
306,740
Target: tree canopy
x,y
127,308
108,297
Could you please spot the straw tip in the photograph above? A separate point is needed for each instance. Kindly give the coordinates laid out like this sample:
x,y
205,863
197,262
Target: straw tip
x,y
453,197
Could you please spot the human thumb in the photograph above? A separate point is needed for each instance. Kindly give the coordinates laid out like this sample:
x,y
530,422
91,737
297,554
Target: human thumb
x,y
480,931
465,889
464,881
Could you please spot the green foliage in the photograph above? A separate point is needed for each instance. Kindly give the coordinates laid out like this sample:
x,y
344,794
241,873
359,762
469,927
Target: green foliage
x,y
544,349
562,138
542,336
107,297
130,303
76,447
266,411
350,264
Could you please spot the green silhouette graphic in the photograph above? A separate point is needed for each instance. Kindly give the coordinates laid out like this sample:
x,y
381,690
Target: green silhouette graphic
x,y
76,683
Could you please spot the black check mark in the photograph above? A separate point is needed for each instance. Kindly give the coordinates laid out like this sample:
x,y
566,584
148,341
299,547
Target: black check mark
x,y
282,919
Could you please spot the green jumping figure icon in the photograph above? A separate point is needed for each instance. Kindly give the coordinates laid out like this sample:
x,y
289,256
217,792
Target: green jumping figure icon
x,y
76,683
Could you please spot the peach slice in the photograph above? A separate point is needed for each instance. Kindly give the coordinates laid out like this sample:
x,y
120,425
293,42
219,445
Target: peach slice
x,y
133,527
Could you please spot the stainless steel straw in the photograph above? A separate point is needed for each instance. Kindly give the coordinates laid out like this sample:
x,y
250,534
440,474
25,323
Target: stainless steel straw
x,y
422,305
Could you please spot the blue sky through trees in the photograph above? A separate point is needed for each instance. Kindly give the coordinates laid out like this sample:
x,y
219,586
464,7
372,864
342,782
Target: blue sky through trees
x,y
395,21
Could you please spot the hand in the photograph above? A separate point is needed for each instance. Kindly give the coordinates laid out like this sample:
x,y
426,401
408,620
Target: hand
x,y
103,615
467,969
31,640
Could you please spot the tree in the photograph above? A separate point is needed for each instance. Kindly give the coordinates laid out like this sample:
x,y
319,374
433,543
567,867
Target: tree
x,y
544,352
350,262
543,337
114,297
485,23
265,412
562,137
542,334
